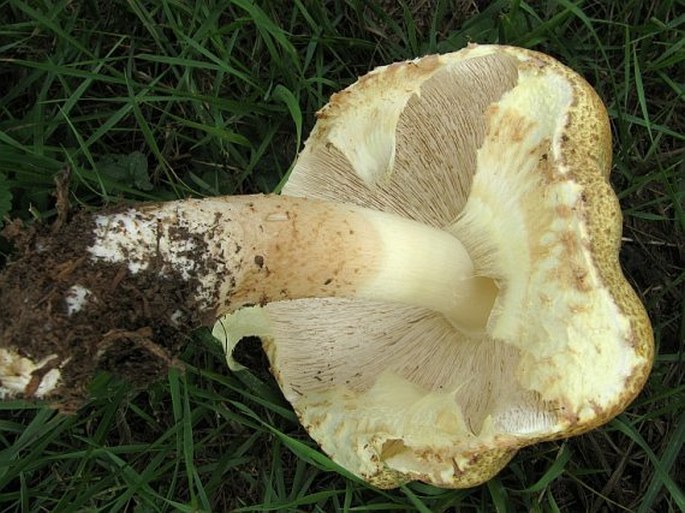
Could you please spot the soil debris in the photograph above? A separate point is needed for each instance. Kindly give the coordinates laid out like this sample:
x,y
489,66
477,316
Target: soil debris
x,y
84,315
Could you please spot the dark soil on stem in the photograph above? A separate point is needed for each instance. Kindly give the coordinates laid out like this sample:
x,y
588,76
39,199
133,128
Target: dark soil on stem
x,y
132,325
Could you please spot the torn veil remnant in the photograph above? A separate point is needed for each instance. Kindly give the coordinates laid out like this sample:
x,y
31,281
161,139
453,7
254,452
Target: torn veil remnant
x,y
437,286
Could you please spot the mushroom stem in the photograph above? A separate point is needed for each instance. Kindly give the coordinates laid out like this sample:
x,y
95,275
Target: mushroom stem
x,y
258,249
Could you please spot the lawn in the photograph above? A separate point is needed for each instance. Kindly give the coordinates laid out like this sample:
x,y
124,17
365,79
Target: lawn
x,y
168,99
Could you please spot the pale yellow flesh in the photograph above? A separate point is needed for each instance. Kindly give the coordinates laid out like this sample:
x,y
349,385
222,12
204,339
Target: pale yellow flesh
x,y
20,375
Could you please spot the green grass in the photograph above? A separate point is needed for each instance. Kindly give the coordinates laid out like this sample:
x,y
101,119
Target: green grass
x,y
167,99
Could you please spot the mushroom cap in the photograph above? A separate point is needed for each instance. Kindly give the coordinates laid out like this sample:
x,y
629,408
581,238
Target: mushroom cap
x,y
510,151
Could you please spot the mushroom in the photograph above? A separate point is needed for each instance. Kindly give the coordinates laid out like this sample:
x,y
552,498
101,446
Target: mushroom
x,y
509,151
437,286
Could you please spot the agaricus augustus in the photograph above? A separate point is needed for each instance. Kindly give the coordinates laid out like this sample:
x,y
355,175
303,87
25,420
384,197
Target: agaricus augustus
x,y
437,286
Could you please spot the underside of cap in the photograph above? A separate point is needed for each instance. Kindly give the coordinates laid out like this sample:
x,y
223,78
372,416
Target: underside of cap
x,y
509,151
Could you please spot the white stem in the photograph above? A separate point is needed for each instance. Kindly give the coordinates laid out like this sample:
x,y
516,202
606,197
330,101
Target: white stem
x,y
257,249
